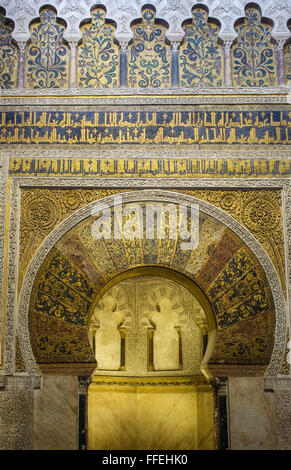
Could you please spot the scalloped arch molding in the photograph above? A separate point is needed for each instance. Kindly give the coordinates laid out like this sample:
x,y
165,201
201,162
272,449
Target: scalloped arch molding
x,y
124,11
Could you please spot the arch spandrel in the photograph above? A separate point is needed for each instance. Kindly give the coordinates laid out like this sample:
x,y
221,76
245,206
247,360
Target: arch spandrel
x,y
228,273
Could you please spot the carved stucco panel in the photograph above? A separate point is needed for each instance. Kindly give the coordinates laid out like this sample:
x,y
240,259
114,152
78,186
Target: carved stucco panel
x,y
124,12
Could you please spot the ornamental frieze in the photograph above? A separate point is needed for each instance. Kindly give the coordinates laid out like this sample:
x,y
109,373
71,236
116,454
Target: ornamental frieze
x,y
146,127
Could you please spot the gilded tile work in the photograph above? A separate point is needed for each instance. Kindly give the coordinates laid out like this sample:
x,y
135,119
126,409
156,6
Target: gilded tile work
x,y
149,61
80,265
287,60
201,56
98,54
153,167
253,53
8,54
47,60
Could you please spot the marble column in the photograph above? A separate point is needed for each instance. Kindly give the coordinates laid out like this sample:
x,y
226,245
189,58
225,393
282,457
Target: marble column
x,y
123,63
83,384
222,411
73,65
21,65
16,413
175,63
280,62
204,330
227,63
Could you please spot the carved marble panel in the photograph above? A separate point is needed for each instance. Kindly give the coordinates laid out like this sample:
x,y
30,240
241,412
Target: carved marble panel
x,y
151,307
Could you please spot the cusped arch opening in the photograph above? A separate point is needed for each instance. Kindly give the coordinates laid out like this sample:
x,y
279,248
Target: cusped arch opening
x,y
150,273
77,267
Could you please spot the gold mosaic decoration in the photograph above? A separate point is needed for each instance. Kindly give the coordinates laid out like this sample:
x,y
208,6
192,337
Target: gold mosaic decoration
x,y
253,53
80,265
149,60
42,210
98,54
47,56
201,60
259,211
153,167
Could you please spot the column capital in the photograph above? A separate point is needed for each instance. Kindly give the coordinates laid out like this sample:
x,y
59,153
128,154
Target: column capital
x,y
280,44
123,45
22,47
83,384
227,45
175,45
73,44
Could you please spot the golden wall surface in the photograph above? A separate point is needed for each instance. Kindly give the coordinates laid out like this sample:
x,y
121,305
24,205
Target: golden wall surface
x,y
136,415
